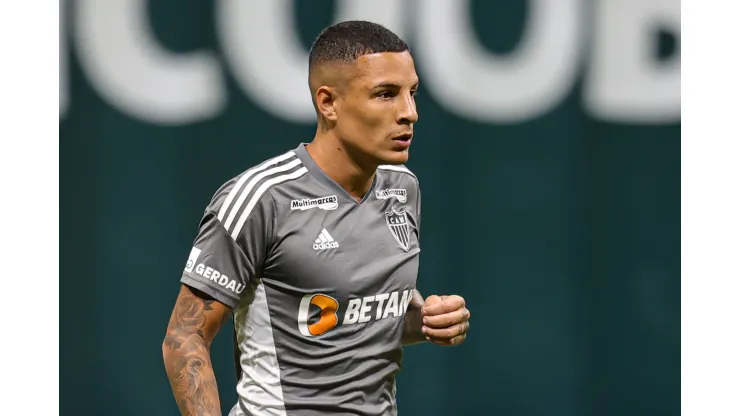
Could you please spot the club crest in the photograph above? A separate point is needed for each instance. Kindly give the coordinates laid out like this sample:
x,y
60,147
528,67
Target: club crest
x,y
398,223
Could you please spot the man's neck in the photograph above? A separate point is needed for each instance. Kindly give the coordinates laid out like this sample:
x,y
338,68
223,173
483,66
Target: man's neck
x,y
329,154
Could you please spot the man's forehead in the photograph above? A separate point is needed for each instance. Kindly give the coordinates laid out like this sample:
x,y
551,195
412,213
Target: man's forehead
x,y
385,67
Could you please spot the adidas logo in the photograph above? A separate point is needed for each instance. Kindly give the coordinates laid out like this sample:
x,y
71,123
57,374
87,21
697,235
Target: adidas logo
x,y
325,241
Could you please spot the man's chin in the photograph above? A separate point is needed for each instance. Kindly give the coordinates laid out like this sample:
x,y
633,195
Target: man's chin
x,y
394,157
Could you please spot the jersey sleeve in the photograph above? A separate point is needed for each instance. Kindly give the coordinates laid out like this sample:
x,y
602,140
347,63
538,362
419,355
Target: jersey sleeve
x,y
229,251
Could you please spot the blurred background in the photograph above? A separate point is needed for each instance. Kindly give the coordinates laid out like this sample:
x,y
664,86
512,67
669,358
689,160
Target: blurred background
x,y
548,151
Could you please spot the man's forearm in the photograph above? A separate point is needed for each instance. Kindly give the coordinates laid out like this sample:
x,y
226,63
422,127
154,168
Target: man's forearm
x,y
187,355
189,369
412,320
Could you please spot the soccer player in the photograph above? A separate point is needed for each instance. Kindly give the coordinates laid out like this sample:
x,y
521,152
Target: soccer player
x,y
315,252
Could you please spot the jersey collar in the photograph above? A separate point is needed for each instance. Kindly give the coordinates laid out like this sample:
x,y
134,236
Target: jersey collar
x,y
324,179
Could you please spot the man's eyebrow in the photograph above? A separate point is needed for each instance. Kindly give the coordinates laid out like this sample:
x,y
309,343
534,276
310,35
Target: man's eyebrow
x,y
385,85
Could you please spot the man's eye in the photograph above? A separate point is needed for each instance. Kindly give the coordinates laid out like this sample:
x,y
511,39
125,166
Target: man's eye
x,y
384,94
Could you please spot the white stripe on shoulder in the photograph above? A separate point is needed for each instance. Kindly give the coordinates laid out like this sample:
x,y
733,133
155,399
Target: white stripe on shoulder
x,y
261,190
239,202
397,168
248,174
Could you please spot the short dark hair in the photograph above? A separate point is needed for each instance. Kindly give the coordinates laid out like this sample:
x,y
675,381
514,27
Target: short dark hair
x,y
347,41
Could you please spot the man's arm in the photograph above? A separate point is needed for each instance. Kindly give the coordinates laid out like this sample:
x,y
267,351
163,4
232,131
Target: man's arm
x,y
195,321
413,320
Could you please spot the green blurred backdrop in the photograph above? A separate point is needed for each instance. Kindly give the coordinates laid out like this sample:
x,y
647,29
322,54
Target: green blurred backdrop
x,y
560,229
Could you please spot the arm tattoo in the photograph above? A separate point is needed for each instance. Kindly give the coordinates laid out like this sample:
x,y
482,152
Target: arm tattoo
x,y
186,350
412,320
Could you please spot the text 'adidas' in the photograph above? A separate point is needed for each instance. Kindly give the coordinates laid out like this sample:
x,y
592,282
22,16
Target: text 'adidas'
x,y
325,241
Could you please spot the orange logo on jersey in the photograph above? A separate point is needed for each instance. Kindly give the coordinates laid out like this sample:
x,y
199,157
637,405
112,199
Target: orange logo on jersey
x,y
328,318
358,311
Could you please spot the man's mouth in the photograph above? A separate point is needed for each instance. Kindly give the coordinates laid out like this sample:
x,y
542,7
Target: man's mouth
x,y
402,141
406,137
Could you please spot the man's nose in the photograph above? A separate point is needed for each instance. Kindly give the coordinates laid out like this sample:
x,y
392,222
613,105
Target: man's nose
x,y
407,113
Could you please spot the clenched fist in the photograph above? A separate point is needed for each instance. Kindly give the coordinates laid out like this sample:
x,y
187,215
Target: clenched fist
x,y
445,319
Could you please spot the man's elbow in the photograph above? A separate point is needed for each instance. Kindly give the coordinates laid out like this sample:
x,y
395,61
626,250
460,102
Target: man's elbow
x,y
169,347
171,354
180,343
165,348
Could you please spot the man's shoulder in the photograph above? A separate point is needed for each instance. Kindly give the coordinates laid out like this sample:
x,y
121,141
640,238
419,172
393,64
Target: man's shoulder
x,y
399,174
397,169
252,185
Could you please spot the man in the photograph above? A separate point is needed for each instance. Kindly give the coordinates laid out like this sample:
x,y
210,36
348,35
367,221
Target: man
x,y
315,253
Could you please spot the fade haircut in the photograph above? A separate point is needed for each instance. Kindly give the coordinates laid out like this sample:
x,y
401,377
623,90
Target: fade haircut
x,y
344,42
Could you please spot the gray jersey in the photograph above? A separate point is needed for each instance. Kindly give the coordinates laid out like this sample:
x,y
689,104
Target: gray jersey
x,y
319,284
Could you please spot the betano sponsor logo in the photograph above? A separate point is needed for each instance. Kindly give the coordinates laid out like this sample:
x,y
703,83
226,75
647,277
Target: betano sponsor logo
x,y
358,311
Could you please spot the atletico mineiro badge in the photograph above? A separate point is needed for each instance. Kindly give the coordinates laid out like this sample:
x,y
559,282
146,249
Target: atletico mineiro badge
x,y
398,223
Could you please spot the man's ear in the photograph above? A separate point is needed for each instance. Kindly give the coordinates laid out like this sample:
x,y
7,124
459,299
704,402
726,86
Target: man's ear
x,y
326,100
